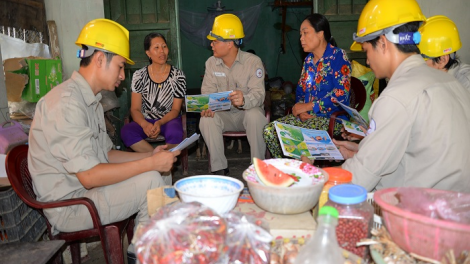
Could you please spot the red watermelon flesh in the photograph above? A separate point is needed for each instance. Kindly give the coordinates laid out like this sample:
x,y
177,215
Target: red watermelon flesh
x,y
270,175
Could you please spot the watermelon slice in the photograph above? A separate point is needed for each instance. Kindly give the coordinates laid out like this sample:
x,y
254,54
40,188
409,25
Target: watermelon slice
x,y
270,175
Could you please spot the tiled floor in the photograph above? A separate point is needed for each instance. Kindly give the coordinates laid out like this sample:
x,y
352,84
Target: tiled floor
x,y
237,164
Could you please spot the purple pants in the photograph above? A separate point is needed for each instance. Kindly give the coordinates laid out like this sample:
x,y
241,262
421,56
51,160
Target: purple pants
x,y
132,132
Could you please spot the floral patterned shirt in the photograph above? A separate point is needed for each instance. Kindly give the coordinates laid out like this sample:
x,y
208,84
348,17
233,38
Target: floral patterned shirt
x,y
329,77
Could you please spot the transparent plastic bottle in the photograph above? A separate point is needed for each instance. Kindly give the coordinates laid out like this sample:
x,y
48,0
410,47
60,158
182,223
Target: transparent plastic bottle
x,y
355,216
323,247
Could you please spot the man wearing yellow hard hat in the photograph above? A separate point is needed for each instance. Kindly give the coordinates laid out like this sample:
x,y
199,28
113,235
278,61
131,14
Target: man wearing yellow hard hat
x,y
71,155
231,69
419,126
440,40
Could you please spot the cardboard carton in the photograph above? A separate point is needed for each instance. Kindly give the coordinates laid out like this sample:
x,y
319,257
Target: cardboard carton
x,y
39,74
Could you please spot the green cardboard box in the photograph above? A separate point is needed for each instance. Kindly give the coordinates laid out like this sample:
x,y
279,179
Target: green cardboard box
x,y
44,74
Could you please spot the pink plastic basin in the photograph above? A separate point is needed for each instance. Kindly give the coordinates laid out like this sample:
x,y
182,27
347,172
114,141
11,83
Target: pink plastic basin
x,y
420,234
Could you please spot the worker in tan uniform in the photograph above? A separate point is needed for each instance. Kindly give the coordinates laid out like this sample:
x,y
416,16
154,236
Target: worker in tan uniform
x,y
71,155
231,69
419,126
440,41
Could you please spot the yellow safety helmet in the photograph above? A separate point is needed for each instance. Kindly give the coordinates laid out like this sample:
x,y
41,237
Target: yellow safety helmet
x,y
379,15
226,26
439,36
106,35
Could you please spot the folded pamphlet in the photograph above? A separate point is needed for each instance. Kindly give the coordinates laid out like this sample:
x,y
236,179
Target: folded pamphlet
x,y
355,116
186,142
296,141
214,101
352,127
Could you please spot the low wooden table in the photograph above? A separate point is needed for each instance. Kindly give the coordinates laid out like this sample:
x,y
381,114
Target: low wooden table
x,y
29,252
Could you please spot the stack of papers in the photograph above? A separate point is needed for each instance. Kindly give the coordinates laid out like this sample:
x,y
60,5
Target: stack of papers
x,y
213,101
186,142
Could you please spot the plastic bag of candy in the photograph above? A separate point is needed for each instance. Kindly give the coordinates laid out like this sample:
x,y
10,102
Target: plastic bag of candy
x,y
179,233
248,239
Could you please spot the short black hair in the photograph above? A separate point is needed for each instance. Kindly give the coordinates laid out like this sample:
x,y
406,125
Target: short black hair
x,y
405,48
320,23
86,61
453,62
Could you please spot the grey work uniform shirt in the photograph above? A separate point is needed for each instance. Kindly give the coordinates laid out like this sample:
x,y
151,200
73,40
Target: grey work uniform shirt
x,y
419,133
68,135
246,75
461,72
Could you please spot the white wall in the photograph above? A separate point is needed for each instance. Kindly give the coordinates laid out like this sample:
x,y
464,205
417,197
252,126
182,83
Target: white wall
x,y
70,16
459,12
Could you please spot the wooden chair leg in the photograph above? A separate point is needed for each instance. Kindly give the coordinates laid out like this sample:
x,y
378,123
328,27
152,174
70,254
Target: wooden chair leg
x,y
130,230
184,161
75,252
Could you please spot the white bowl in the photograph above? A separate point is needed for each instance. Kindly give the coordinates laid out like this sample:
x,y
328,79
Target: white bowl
x,y
220,193
296,199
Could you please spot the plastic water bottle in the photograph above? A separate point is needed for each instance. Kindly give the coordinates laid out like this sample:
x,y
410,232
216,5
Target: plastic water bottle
x,y
323,247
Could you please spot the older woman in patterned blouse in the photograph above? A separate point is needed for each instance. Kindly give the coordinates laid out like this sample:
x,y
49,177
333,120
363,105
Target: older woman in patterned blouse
x,y
158,92
326,74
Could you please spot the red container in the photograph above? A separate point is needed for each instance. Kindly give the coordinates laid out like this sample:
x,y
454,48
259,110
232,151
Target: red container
x,y
419,234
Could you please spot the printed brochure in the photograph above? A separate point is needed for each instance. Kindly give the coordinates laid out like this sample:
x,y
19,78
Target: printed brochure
x,y
352,127
213,101
355,116
186,142
297,141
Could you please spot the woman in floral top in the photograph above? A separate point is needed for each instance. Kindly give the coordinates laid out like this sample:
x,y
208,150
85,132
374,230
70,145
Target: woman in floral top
x,y
326,74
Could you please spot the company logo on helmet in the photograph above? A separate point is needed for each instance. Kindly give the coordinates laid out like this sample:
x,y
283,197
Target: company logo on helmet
x,y
362,30
404,38
99,44
448,50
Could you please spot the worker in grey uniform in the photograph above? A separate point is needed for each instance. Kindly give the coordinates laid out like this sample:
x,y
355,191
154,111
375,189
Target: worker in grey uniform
x,y
70,154
419,128
231,69
440,40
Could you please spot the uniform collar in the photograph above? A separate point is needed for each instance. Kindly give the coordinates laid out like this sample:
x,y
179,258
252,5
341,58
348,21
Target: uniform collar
x,y
239,58
411,62
85,89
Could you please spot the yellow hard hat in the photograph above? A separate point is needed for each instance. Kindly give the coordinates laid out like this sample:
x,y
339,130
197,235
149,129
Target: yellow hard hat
x,y
439,36
106,35
379,15
226,26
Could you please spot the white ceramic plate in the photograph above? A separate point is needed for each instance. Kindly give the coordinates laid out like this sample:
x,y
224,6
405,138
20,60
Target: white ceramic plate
x,y
309,175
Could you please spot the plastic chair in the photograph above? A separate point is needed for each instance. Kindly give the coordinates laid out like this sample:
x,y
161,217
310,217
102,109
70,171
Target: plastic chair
x,y
238,134
111,235
357,100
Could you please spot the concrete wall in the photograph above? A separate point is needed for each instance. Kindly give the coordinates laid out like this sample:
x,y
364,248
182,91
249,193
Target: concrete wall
x,y
70,17
457,11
